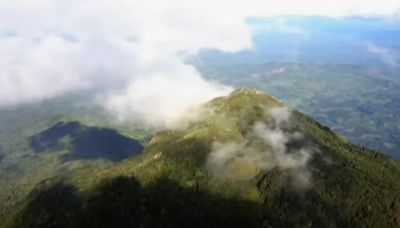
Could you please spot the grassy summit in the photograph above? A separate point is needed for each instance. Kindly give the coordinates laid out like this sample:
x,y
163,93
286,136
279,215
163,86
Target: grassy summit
x,y
244,160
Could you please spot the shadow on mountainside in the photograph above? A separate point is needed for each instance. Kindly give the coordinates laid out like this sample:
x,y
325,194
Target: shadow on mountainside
x,y
124,202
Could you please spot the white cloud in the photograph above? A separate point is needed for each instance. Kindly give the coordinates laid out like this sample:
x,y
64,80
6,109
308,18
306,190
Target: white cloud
x,y
134,50
384,54
279,24
160,99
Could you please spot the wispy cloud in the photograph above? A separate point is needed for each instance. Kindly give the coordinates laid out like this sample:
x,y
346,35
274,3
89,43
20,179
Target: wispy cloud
x,y
283,148
384,54
278,24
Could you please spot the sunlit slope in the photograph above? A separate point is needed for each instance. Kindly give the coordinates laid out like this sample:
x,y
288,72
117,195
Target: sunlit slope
x,y
244,161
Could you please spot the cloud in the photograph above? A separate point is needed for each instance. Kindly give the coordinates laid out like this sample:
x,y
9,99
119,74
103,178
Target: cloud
x,y
282,147
161,100
385,55
278,24
132,53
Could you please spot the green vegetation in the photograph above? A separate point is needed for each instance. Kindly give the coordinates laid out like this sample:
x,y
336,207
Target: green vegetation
x,y
169,184
21,168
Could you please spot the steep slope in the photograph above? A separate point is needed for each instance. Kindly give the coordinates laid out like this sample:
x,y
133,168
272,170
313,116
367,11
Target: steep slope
x,y
244,160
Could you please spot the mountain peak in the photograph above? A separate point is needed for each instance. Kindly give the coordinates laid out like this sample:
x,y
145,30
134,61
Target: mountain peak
x,y
244,90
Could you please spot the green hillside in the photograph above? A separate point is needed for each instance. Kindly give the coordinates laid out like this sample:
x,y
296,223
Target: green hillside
x,y
245,160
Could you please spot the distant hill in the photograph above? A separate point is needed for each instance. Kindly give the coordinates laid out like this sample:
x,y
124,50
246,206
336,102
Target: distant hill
x,y
246,160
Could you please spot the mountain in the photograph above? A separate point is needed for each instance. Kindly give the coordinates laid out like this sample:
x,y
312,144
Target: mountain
x,y
244,160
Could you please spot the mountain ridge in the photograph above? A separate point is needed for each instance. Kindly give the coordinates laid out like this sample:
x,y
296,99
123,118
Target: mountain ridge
x,y
275,166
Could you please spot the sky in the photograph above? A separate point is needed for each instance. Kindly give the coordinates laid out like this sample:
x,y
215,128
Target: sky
x,y
132,54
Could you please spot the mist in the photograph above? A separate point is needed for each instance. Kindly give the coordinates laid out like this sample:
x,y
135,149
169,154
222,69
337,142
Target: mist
x,y
281,147
384,54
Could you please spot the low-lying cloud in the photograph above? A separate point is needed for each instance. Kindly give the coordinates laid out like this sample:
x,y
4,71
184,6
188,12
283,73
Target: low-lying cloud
x,y
384,54
281,147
